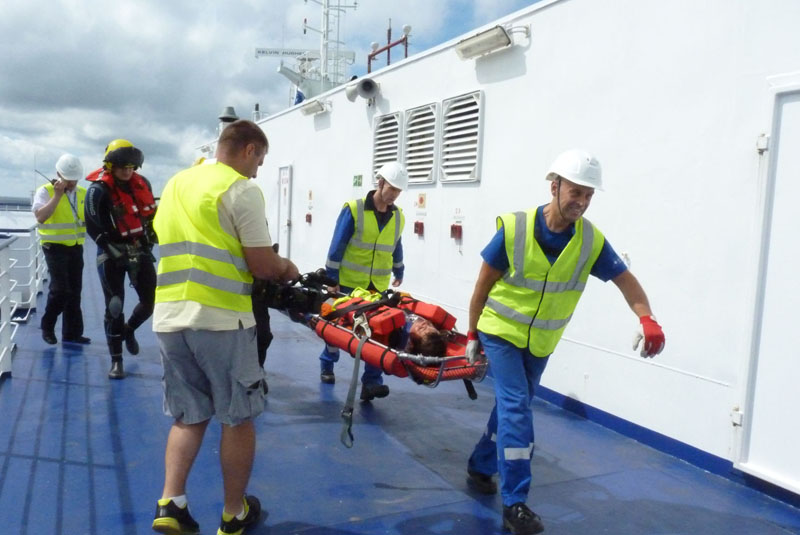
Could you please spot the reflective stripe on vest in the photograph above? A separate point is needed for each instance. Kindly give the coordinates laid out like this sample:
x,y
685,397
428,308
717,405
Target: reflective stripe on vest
x,y
368,255
199,249
206,279
199,260
534,301
65,225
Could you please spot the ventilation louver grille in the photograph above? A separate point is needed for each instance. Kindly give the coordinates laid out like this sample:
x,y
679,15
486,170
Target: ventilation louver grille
x,y
461,138
386,141
420,144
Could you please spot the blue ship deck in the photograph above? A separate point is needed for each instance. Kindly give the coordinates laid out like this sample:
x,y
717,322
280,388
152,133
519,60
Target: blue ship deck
x,y
82,454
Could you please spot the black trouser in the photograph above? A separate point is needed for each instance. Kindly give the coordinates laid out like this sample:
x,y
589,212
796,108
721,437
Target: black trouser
x,y
65,263
112,277
263,331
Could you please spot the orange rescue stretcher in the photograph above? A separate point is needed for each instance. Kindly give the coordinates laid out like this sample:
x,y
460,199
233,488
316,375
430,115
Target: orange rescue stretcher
x,y
345,329
364,327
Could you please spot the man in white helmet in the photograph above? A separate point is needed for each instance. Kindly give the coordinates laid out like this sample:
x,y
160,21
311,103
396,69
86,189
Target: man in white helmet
x,y
58,208
366,250
532,276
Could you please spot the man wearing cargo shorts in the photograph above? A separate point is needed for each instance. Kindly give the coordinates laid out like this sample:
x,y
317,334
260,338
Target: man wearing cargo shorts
x,y
213,239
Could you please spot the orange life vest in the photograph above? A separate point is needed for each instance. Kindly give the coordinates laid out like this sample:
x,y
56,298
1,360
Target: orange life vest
x,y
382,319
130,209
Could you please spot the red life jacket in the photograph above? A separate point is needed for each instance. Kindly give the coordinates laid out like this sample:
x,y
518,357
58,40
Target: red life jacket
x,y
382,319
130,209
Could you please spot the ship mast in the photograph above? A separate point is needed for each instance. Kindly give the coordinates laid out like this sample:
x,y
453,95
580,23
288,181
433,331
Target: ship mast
x,y
317,71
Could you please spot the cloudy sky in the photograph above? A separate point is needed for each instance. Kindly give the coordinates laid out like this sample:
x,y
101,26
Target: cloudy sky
x,y
75,74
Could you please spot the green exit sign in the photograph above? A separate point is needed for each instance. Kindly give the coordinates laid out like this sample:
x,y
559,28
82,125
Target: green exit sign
x,y
357,180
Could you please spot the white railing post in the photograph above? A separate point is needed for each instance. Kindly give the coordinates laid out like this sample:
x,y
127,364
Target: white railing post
x,y
7,327
29,272
40,266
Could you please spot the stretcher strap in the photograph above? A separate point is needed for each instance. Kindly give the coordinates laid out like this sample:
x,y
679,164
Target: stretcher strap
x,y
347,411
362,306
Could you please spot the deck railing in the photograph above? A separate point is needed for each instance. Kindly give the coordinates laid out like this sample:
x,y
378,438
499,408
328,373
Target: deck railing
x,y
8,308
22,274
29,271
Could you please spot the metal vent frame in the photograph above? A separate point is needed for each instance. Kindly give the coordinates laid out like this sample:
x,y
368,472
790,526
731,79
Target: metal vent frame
x,y
420,143
461,138
386,141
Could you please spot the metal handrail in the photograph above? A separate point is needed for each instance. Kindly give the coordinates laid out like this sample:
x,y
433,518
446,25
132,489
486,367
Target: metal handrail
x,y
35,268
8,307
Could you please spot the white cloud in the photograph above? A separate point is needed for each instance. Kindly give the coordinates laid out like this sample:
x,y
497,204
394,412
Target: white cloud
x,y
84,72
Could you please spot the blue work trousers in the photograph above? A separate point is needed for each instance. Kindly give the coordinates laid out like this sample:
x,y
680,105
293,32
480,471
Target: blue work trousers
x,y
507,444
330,354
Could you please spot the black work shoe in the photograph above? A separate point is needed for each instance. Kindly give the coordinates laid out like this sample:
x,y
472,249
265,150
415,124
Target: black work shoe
x,y
520,520
371,391
173,520
234,526
130,341
116,371
482,483
327,377
49,337
77,340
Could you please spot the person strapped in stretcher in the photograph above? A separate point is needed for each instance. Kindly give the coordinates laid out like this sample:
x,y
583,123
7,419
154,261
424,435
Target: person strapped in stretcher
x,y
406,337
393,331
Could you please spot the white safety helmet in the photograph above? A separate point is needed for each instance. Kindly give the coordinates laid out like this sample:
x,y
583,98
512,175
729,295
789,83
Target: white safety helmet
x,y
394,174
579,167
69,167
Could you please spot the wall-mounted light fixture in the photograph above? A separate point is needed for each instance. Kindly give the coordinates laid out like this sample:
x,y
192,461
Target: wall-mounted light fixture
x,y
314,107
488,41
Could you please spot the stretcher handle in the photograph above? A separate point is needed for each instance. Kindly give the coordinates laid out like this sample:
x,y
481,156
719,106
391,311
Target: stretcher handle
x,y
470,389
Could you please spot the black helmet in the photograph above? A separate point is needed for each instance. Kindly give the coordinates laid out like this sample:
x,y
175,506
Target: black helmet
x,y
122,153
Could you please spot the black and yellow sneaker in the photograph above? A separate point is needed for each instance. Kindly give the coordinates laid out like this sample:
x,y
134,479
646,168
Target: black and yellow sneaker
x,y
173,520
230,525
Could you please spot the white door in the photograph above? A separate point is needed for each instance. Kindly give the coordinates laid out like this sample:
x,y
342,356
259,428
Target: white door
x,y
773,439
285,209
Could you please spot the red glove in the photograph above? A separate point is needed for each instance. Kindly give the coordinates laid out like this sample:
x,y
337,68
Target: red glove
x,y
653,337
473,353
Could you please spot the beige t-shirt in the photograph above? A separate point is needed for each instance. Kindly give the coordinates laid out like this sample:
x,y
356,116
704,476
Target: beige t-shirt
x,y
242,214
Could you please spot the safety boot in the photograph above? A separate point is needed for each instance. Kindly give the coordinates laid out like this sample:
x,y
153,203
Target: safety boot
x,y
370,391
520,520
130,340
116,371
326,373
49,337
482,483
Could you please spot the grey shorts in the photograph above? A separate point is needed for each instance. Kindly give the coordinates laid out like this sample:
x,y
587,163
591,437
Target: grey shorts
x,y
211,373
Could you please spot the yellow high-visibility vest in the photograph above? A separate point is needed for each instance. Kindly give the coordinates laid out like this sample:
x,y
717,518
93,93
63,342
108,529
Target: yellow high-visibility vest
x,y
66,225
368,255
199,260
531,305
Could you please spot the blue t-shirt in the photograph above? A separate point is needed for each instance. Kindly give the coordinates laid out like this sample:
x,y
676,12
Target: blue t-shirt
x,y
607,266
